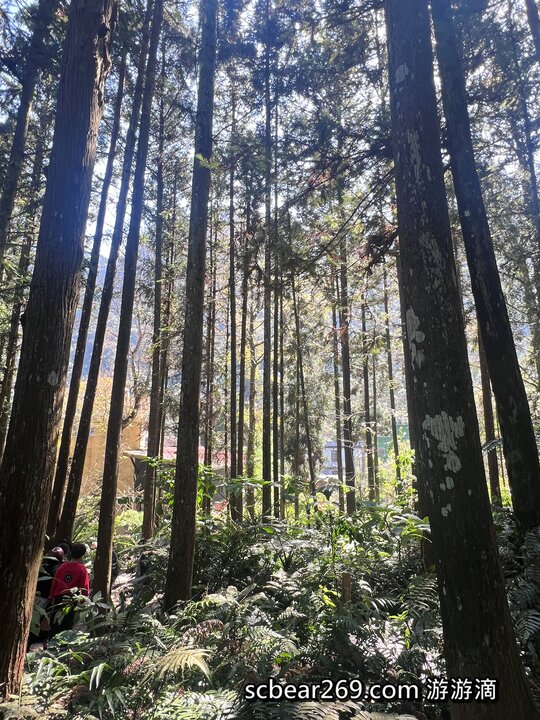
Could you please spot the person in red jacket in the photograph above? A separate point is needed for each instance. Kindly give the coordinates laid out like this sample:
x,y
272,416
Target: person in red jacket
x,y
69,576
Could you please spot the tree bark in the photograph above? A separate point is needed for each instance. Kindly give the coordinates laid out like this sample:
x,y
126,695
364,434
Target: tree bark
x,y
180,566
479,642
69,508
489,423
250,450
307,429
36,54
107,508
154,426
395,443
372,493
24,263
236,501
267,329
337,393
519,441
86,314
348,443
31,442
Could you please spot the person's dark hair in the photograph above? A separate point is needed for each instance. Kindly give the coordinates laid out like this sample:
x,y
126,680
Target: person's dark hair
x,y
78,551
65,545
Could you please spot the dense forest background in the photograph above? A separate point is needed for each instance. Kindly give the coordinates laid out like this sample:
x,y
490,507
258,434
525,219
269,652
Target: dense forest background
x,y
270,335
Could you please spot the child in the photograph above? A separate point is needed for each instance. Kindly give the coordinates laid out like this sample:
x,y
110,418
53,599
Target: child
x,y
69,575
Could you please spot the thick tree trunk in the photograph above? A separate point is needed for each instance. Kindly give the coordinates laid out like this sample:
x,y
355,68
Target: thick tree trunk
x,y
267,351
519,442
489,423
154,426
24,263
107,508
395,444
479,640
36,53
86,314
69,508
372,493
30,450
180,567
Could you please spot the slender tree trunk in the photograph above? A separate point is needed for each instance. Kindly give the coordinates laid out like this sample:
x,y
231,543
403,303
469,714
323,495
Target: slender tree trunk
x,y
267,351
69,508
348,443
275,397
180,567
30,450
311,463
478,641
235,500
242,374
36,53
296,465
210,370
372,493
86,314
148,526
519,441
276,333
282,401
250,450
489,423
337,393
395,443
107,508
375,428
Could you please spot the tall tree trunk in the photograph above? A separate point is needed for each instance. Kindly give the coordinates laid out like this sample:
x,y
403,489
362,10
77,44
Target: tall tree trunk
x,y
300,360
235,500
267,351
276,332
180,567
148,525
375,428
282,401
36,53
73,488
337,391
210,370
478,641
107,508
24,263
250,450
372,493
33,431
242,373
519,441
86,314
489,423
344,319
388,335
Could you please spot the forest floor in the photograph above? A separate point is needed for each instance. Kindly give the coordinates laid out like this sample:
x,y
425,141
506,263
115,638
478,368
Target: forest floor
x,y
269,603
